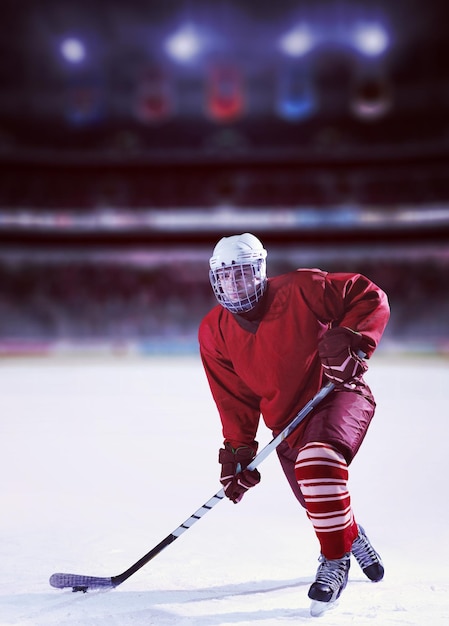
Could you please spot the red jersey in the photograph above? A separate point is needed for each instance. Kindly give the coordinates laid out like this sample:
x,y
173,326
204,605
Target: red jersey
x,y
271,367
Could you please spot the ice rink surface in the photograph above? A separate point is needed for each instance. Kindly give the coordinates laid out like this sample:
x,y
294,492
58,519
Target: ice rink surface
x,y
102,458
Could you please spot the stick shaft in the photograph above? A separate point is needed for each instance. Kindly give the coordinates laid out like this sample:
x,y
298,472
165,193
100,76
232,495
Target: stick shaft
x,y
216,498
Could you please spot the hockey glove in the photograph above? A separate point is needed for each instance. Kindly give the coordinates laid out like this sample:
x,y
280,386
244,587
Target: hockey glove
x,y
235,478
337,350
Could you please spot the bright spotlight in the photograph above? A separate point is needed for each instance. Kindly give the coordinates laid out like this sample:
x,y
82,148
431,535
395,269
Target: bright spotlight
x,y
184,44
297,42
73,50
371,39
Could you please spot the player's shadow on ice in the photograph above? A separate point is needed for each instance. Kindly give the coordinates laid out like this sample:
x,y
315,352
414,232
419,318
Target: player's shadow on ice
x,y
211,606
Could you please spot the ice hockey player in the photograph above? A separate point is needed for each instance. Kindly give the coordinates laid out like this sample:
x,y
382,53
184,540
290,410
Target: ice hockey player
x,y
267,348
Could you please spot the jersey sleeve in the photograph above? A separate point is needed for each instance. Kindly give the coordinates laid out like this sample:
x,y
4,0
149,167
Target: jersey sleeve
x,y
353,301
237,405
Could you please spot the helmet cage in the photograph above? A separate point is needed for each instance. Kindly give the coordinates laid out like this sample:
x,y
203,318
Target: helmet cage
x,y
239,286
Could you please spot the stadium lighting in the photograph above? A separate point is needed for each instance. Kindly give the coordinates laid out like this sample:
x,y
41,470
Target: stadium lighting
x,y
297,42
73,50
372,98
296,99
183,45
371,39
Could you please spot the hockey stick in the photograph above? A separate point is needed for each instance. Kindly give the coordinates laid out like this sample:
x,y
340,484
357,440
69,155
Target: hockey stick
x,y
79,582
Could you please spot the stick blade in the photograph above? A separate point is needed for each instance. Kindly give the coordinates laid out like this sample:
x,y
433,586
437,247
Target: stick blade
x,y
79,582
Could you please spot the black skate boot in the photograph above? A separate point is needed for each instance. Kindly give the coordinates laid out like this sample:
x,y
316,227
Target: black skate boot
x,y
330,580
367,557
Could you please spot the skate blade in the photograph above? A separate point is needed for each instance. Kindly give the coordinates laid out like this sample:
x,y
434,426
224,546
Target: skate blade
x,y
317,608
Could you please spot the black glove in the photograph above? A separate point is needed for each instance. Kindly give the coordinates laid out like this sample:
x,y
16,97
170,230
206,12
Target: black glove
x,y
338,353
235,478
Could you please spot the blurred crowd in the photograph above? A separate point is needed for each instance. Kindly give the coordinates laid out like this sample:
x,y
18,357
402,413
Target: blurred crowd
x,y
87,301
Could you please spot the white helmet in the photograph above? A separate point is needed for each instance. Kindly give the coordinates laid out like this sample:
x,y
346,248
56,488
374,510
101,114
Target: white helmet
x,y
238,272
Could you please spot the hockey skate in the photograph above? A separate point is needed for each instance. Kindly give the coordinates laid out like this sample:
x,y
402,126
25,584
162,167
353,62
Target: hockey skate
x,y
330,580
367,557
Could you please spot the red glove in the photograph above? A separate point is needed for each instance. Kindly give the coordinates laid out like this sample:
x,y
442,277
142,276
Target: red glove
x,y
337,350
235,478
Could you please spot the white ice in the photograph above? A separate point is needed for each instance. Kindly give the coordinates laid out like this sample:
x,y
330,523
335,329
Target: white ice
x,y
101,459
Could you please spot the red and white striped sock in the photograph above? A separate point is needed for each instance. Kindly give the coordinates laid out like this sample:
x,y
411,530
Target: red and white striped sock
x,y
322,475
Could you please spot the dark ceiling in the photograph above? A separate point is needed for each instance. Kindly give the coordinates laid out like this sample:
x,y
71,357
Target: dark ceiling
x,y
130,126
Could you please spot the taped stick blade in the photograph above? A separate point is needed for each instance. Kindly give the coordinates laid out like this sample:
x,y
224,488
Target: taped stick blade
x,y
78,582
